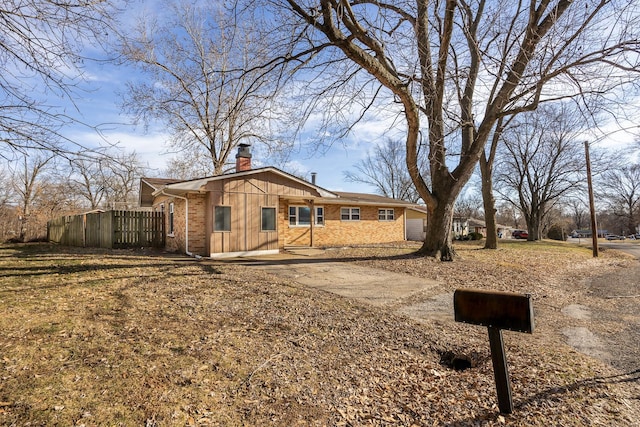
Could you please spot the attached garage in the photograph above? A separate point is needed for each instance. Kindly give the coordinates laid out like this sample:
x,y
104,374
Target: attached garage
x,y
416,223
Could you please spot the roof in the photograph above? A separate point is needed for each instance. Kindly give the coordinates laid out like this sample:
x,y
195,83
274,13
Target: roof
x,y
474,222
369,199
148,186
158,182
181,187
156,186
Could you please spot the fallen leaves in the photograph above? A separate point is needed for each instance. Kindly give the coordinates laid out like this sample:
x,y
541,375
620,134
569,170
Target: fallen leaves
x,y
166,341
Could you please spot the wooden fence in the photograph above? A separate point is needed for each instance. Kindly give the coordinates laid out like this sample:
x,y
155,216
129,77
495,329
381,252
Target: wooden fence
x,y
112,229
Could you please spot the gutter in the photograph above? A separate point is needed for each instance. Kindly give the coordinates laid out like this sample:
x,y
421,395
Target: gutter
x,y
186,220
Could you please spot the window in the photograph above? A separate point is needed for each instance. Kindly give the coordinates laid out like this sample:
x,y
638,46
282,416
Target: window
x,y
171,230
350,214
319,215
268,219
385,215
301,216
222,218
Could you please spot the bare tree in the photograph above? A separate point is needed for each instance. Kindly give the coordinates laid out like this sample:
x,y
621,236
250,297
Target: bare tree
x,y
40,55
108,182
86,180
202,81
455,67
27,179
123,172
579,212
8,213
541,162
620,188
188,164
469,205
385,169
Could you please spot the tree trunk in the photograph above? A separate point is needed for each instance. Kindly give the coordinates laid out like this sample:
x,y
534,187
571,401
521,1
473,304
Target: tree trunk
x,y
438,242
489,203
534,222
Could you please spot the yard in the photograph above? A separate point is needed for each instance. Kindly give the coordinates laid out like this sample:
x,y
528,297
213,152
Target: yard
x,y
116,337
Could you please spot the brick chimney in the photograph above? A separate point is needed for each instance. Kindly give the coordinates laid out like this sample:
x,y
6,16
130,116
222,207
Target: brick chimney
x,y
243,158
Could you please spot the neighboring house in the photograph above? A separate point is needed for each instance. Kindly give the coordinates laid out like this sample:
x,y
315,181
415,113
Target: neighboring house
x,y
262,211
477,226
460,226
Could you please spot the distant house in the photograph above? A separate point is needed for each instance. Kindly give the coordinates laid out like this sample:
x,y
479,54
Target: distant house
x,y
460,227
463,226
477,226
262,211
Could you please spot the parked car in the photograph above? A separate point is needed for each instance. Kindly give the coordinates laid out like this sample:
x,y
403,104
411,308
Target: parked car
x,y
614,237
519,234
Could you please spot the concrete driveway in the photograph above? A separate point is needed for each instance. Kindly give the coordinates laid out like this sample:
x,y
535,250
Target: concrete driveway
x,y
374,286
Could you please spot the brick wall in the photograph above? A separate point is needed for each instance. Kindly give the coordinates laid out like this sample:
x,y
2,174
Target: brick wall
x,y
197,224
176,242
336,232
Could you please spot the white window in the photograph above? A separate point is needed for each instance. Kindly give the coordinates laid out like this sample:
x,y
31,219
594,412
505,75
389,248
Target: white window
x,y
300,216
386,215
319,215
171,229
268,222
222,218
350,214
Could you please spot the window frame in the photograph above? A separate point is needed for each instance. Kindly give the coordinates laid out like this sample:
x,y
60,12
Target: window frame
x,y
318,219
351,213
275,219
383,214
215,219
297,216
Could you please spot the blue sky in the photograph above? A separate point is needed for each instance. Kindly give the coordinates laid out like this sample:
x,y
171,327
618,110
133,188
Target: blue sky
x,y
100,106
99,103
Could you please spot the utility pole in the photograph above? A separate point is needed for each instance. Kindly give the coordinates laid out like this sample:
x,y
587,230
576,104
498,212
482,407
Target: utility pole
x,y
594,227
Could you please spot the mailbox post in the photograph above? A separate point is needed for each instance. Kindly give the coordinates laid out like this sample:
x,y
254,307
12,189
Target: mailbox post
x,y
496,311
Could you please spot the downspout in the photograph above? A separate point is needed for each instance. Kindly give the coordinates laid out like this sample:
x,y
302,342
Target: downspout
x,y
186,220
406,211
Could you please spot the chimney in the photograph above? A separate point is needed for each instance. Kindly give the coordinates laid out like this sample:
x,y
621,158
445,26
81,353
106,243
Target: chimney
x,y
313,178
243,158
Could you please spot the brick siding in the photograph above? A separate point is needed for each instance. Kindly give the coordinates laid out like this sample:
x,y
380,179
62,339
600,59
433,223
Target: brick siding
x,y
335,232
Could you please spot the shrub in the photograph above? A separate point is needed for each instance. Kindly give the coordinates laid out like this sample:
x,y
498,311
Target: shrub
x,y
556,233
475,236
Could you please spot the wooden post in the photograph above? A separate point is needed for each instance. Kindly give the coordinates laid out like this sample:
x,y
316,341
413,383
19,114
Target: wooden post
x,y
500,370
592,206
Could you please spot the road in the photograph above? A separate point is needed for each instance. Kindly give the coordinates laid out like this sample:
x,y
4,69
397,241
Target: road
x,y
632,248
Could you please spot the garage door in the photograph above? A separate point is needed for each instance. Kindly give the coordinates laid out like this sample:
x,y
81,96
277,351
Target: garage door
x,y
415,229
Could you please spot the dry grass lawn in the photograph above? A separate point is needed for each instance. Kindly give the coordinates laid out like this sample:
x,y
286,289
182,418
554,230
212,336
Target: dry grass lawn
x,y
126,338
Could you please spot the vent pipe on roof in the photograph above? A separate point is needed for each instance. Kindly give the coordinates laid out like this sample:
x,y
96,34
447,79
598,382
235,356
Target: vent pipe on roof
x,y
243,158
313,178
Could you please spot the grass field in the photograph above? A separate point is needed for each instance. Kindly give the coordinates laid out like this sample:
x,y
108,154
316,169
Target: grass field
x,y
95,337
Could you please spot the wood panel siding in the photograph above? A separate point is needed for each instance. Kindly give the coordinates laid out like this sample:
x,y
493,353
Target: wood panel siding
x,y
247,195
246,223
262,183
